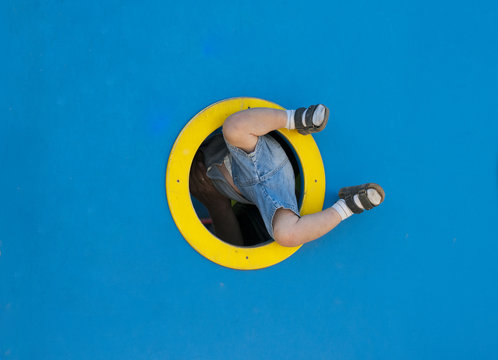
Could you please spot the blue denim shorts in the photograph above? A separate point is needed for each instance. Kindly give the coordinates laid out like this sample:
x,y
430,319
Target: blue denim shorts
x,y
265,177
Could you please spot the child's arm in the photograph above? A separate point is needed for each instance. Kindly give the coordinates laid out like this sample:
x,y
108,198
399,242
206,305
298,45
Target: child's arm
x,y
226,225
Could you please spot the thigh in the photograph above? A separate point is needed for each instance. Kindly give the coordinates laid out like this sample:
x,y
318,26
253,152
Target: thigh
x,y
284,218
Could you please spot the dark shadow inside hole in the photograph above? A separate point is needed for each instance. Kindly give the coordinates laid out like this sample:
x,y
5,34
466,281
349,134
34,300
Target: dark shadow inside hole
x,y
251,223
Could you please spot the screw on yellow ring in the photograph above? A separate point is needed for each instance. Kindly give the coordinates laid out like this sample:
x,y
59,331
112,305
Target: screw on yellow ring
x,y
180,203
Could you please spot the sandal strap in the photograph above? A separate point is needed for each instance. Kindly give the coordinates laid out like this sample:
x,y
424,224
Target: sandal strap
x,y
348,193
365,201
352,205
309,117
298,118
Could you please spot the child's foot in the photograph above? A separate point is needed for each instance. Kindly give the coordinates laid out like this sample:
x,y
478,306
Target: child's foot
x,y
355,199
307,121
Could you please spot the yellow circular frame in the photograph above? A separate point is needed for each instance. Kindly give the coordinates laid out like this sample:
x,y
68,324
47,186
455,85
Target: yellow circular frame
x,y
180,203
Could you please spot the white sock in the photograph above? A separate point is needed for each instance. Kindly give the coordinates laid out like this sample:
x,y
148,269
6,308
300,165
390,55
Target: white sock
x,y
344,211
290,119
318,117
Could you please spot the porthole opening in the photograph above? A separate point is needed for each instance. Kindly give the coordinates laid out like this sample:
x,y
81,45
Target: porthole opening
x,y
181,206
249,220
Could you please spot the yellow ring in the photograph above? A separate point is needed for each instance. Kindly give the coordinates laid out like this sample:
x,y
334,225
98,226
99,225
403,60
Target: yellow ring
x,y
180,203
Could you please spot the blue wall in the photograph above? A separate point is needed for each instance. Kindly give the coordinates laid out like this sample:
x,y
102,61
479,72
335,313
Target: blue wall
x,y
92,97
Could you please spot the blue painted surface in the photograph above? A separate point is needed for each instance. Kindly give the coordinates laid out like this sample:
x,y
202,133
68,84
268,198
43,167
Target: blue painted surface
x,y
92,97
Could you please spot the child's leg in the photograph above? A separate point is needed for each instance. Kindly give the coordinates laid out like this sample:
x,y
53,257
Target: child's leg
x,y
243,128
291,230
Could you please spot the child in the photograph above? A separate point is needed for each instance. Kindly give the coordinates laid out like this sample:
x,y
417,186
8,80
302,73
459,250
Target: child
x,y
247,165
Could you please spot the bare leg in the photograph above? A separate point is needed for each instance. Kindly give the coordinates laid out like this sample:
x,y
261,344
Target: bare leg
x,y
243,128
290,230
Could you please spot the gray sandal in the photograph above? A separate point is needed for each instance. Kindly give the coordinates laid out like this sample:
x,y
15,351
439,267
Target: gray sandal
x,y
348,193
309,128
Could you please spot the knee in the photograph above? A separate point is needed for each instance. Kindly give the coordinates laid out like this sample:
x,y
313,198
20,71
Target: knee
x,y
284,228
284,236
232,130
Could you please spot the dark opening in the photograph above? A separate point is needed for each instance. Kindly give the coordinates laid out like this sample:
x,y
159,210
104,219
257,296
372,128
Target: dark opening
x,y
248,217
